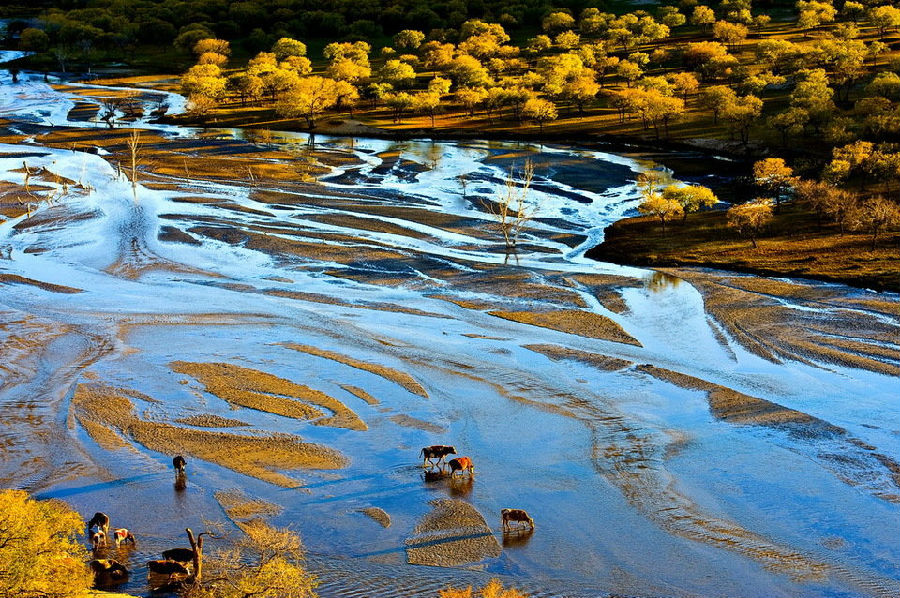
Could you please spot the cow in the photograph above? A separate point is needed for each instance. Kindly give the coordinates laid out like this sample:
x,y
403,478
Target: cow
x,y
436,451
97,537
99,520
108,572
180,555
518,515
169,568
179,463
463,464
122,535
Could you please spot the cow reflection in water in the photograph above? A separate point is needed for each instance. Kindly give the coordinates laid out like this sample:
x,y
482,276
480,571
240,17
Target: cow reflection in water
x,y
518,538
456,485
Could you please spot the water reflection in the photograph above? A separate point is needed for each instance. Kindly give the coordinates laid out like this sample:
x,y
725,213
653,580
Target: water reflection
x,y
660,281
461,486
517,538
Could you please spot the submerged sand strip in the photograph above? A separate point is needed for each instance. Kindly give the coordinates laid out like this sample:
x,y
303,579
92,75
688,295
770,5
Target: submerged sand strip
x,y
390,374
454,533
265,392
597,360
571,321
262,457
239,506
857,464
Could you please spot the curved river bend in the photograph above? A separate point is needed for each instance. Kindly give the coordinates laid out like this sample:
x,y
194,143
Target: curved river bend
x,y
686,433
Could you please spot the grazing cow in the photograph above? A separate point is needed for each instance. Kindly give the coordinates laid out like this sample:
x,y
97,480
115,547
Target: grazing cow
x,y
463,464
178,463
121,535
100,520
518,515
169,568
98,537
180,555
436,451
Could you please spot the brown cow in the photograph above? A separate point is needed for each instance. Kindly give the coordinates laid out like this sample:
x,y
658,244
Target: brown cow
x,y
436,451
463,464
508,515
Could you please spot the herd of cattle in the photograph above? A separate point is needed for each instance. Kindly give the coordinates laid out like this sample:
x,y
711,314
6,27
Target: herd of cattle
x,y
464,465
176,561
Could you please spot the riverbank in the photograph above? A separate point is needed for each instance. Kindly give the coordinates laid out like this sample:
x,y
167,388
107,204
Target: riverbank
x,y
795,247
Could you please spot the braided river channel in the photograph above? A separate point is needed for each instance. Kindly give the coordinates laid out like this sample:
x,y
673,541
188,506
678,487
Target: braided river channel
x,y
299,319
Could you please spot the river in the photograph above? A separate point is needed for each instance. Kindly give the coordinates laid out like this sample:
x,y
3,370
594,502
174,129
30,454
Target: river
x,y
678,433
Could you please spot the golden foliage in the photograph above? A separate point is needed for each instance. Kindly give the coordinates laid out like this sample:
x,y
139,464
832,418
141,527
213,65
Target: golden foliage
x,y
40,554
493,589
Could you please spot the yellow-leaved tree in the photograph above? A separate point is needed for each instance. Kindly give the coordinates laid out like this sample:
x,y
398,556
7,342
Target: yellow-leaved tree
x,y
40,555
266,562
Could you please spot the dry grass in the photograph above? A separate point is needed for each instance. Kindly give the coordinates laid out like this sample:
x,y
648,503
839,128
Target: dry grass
x,y
239,506
390,374
571,321
209,420
262,457
258,390
378,515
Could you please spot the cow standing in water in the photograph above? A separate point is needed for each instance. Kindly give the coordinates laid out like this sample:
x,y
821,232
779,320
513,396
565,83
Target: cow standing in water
x,y
179,464
518,515
436,451
463,464
98,528
122,535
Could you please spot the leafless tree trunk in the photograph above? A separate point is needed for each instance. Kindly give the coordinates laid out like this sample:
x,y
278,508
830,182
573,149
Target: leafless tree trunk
x,y
512,210
134,146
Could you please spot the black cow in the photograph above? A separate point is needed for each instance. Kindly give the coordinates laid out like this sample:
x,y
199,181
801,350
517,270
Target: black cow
x,y
180,555
436,451
179,463
508,515
169,568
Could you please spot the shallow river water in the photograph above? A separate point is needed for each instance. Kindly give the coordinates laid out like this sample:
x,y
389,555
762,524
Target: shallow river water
x,y
677,433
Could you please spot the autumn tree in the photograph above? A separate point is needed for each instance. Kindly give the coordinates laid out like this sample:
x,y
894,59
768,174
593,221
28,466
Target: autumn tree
x,y
348,61
540,111
691,198
471,97
558,21
409,39
287,47
876,215
41,553
266,562
733,34
427,103
776,177
751,218
884,17
703,16
814,13
308,97
468,71
740,114
397,73
653,202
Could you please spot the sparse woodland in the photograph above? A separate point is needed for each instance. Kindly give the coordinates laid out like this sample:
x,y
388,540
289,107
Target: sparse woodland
x,y
814,82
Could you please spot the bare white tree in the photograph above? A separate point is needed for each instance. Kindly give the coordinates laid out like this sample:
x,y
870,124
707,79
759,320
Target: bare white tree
x,y
512,210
